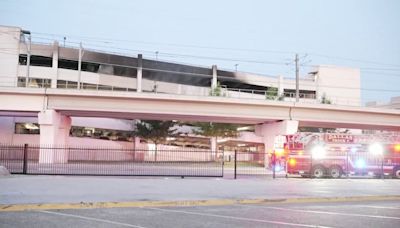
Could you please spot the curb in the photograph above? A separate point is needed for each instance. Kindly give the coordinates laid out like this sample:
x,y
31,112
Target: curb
x,y
185,203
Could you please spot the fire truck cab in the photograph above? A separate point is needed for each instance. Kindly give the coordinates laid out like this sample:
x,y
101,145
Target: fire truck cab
x,y
334,155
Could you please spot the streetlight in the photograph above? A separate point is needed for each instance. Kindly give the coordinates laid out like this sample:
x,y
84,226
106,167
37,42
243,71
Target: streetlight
x,y
236,65
28,55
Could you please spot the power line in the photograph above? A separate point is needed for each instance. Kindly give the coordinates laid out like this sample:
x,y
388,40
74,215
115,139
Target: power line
x,y
107,40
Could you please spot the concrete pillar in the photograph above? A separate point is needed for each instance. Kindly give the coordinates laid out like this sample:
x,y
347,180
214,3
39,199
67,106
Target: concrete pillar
x,y
54,77
137,143
280,85
54,133
213,147
214,81
139,74
269,130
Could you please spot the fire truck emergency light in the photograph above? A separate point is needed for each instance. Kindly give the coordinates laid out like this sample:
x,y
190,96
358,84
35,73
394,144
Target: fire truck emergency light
x,y
318,152
360,164
376,149
397,147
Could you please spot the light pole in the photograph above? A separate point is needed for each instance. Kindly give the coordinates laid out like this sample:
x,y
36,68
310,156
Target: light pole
x,y
28,55
236,65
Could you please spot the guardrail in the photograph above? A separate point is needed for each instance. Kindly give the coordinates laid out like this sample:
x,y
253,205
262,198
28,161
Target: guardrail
x,y
222,91
52,160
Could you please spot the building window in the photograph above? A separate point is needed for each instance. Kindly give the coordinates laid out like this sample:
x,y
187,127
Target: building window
x,y
27,128
305,94
36,60
73,65
34,82
68,64
62,84
100,133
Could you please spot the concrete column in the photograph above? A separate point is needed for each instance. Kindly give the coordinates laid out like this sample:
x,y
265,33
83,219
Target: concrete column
x,y
213,147
280,85
54,133
137,143
214,81
54,77
269,130
139,74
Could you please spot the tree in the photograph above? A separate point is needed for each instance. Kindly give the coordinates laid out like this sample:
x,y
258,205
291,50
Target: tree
x,y
325,100
215,130
155,131
217,91
271,93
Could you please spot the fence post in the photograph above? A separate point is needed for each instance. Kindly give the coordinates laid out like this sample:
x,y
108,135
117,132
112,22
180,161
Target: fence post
x,y
347,163
25,163
383,174
223,161
234,169
273,164
311,165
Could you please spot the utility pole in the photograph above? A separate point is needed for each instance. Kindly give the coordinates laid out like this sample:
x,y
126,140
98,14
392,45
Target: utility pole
x,y
297,77
79,65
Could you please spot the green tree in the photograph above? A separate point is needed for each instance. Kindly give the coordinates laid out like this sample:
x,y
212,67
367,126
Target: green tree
x,y
215,130
325,100
271,93
217,91
155,131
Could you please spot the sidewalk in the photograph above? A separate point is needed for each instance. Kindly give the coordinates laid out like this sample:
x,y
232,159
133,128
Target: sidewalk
x,y
20,189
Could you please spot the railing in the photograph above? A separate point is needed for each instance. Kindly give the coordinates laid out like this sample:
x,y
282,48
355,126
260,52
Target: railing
x,y
336,163
24,159
199,91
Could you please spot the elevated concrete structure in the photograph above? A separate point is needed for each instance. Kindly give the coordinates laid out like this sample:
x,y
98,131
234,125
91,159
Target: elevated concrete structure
x,y
216,109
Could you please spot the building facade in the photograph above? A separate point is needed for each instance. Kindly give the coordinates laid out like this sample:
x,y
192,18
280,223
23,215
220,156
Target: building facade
x,y
24,63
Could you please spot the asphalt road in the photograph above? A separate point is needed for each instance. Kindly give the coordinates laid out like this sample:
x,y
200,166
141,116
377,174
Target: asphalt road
x,y
354,214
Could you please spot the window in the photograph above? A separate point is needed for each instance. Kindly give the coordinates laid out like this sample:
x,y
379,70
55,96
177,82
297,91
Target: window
x,y
27,128
36,60
306,94
68,64
34,82
100,133
62,84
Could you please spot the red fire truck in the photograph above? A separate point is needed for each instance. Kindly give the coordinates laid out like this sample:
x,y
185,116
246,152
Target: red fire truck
x,y
334,155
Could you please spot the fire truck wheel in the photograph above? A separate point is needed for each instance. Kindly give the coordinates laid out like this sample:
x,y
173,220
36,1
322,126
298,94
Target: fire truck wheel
x,y
318,171
396,172
335,171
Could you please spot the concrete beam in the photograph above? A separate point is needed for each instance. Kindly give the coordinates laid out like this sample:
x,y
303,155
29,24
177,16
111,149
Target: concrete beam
x,y
196,108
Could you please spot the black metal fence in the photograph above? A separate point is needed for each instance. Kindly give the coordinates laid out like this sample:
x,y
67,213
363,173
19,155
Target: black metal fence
x,y
334,163
24,159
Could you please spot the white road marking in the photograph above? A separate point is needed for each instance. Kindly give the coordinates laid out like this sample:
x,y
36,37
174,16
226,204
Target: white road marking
x,y
92,219
236,218
325,212
377,207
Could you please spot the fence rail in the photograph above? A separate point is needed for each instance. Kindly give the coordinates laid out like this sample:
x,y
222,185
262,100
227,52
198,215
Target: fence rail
x,y
24,159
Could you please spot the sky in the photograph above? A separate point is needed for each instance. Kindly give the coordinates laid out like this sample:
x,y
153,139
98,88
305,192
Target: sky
x,y
253,36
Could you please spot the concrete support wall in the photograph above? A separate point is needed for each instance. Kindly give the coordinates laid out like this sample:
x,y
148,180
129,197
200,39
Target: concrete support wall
x,y
139,74
269,130
54,68
214,81
54,132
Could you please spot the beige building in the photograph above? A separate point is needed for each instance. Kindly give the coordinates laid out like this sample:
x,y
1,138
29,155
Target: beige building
x,y
24,63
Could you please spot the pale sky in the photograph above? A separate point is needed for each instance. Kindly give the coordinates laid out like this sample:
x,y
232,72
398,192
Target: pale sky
x,y
260,36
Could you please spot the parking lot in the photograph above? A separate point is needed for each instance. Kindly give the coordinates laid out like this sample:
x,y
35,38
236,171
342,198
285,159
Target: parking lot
x,y
359,214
